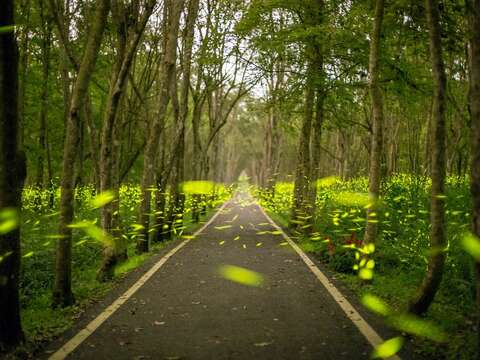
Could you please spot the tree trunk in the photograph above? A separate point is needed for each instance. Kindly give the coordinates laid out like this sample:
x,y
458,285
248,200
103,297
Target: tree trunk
x,y
475,117
45,51
24,42
167,78
377,126
177,196
12,175
433,277
126,53
316,143
62,290
301,189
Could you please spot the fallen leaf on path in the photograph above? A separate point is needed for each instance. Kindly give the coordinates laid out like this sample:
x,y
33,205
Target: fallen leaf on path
x,y
223,227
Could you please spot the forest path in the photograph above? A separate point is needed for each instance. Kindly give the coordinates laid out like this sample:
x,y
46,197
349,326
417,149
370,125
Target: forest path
x,y
187,310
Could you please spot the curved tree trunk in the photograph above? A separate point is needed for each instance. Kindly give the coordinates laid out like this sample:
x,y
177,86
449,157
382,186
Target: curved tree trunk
x,y
12,175
62,289
433,277
377,126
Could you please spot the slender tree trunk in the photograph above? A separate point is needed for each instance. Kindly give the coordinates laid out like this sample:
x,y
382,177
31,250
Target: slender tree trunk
x,y
475,117
62,290
45,51
316,144
197,149
12,175
374,175
177,195
433,277
300,208
167,77
24,41
161,197
126,54
93,141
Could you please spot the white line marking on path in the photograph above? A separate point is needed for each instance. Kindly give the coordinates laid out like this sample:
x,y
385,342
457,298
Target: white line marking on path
x,y
367,331
81,336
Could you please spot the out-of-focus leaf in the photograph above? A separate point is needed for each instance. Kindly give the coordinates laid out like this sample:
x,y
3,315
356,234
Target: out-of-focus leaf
x,y
471,244
414,325
102,199
388,348
9,220
198,187
241,275
376,305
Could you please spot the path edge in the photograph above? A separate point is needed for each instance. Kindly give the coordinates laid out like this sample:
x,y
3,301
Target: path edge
x,y
93,325
361,324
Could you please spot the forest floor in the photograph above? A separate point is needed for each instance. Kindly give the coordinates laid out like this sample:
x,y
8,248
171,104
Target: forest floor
x,y
198,305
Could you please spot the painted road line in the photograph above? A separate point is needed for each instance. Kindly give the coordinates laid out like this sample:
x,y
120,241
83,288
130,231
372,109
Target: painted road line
x,y
365,329
81,336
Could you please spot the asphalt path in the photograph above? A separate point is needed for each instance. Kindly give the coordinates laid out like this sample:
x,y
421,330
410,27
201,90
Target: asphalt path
x,y
188,309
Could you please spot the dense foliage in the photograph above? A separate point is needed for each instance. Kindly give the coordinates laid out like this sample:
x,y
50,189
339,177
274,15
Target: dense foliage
x,y
358,123
401,250
39,224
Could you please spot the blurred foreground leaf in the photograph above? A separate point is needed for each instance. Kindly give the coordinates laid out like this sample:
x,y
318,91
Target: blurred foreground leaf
x,y
241,275
388,348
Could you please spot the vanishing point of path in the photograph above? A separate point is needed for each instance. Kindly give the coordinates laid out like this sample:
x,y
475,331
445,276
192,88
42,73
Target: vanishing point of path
x,y
187,310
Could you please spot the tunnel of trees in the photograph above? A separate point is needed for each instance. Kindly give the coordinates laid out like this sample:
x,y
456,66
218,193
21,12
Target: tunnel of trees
x,y
123,123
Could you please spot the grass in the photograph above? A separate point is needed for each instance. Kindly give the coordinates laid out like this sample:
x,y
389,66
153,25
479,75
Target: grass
x,y
401,252
42,323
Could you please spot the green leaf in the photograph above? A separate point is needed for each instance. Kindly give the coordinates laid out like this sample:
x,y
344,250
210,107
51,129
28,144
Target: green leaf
x,y
197,187
388,348
94,232
7,29
414,325
241,275
471,244
103,199
9,220
223,227
365,274
375,304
